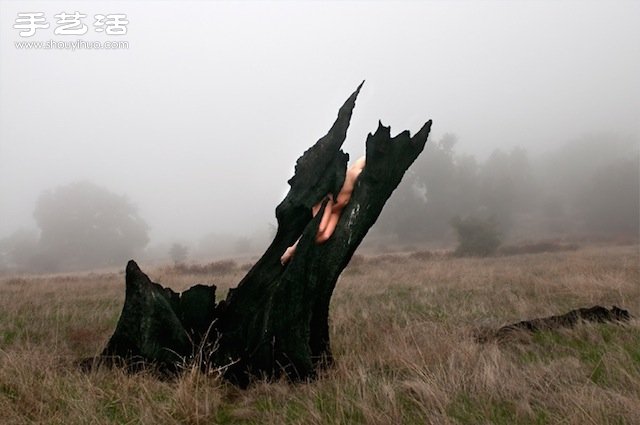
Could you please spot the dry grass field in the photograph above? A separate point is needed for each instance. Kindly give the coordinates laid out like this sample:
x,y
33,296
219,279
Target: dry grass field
x,y
403,332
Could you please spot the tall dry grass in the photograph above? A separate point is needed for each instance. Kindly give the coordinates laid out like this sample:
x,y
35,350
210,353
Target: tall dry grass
x,y
403,333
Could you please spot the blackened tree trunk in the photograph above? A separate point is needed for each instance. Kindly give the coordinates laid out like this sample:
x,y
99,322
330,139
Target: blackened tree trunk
x,y
276,320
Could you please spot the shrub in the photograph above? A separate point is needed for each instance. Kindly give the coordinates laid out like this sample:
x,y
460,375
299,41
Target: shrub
x,y
178,253
476,236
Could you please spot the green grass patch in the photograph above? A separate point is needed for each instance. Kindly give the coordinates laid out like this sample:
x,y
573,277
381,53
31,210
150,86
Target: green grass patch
x,y
466,409
589,345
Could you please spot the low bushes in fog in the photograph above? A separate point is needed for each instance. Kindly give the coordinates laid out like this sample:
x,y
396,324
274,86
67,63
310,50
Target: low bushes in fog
x,y
476,236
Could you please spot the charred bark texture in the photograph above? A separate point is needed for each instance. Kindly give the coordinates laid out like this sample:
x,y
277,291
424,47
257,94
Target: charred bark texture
x,y
596,314
158,327
276,321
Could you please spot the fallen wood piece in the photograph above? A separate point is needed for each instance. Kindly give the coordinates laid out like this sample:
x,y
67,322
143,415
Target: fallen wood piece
x,y
568,320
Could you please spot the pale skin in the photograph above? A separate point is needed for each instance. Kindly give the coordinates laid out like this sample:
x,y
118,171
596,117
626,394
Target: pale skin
x,y
333,210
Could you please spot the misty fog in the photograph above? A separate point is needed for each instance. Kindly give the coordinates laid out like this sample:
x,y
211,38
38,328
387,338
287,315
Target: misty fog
x,y
190,134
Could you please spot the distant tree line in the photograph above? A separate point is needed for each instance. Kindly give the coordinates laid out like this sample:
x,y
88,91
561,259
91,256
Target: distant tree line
x,y
588,187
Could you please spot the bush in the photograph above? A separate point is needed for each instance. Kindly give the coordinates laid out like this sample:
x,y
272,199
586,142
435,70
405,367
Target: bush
x,y
178,253
476,236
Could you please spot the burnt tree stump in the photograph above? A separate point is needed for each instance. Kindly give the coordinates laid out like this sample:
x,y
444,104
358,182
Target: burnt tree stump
x,y
276,321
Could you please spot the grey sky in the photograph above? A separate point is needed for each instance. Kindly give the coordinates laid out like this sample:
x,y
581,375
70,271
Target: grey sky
x,y
200,121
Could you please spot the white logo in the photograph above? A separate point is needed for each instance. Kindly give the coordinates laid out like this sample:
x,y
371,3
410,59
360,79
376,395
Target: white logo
x,y
71,23
30,22
114,24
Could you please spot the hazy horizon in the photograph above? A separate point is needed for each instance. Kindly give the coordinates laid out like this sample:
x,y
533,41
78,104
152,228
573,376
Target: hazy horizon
x,y
199,122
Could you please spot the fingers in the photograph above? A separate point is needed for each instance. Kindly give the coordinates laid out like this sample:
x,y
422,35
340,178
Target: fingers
x,y
288,253
343,199
316,208
331,226
325,217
